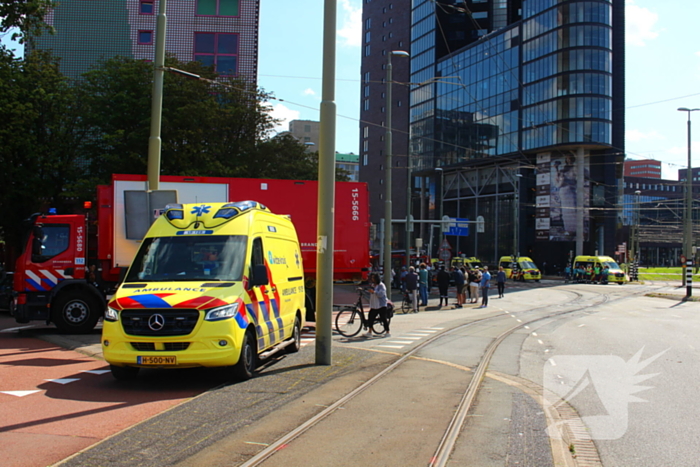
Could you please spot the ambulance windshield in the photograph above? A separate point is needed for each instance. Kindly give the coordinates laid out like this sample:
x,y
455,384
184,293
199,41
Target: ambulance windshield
x,y
190,258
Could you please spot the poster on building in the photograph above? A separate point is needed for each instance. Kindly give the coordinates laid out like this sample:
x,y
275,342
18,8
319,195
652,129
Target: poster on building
x,y
556,198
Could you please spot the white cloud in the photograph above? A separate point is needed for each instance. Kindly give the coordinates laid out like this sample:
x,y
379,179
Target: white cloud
x,y
637,135
639,24
351,29
284,115
309,92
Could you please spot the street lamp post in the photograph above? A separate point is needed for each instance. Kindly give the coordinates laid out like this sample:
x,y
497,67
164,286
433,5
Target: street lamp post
x,y
688,223
634,240
516,217
387,171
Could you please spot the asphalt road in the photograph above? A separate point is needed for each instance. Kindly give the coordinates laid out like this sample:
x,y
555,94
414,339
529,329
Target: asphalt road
x,y
598,357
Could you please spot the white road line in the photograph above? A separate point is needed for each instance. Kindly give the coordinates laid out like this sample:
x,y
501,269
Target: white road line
x,y
62,380
534,333
540,341
20,393
19,328
95,372
401,342
392,346
552,362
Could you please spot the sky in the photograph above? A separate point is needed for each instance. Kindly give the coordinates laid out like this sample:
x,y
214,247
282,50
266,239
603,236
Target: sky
x,y
662,58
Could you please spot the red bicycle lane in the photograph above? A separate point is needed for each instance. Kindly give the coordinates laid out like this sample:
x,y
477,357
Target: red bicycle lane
x,y
55,402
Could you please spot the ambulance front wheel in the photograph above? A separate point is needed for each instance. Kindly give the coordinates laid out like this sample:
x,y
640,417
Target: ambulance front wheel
x,y
243,370
74,312
296,337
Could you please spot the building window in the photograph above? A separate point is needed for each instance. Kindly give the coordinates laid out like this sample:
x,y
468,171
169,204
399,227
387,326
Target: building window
x,y
367,50
146,7
366,104
217,49
145,38
365,159
217,7
366,132
307,128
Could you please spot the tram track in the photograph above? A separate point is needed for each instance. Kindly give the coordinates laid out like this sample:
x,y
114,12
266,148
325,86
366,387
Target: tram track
x,y
451,434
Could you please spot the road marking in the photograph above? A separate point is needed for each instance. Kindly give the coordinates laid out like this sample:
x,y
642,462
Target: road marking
x,y
581,325
20,393
401,342
534,333
95,372
62,380
392,346
17,329
552,362
540,341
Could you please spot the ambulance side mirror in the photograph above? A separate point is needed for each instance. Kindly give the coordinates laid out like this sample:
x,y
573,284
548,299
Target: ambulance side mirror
x,y
259,276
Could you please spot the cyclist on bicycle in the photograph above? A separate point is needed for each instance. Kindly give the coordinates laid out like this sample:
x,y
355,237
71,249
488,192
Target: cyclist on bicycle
x,y
377,304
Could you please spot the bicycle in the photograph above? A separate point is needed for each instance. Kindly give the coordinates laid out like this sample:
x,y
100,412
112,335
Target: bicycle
x,y
351,319
407,303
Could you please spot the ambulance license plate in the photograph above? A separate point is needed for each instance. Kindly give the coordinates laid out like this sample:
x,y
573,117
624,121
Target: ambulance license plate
x,y
156,360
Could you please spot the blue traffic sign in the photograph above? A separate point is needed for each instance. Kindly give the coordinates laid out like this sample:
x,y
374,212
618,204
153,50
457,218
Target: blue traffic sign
x,y
458,227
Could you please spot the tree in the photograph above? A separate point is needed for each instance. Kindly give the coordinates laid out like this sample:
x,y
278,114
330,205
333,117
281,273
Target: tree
x,y
25,15
209,127
39,139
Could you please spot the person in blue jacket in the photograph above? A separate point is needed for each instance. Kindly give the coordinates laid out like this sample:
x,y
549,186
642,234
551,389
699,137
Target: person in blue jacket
x,y
484,285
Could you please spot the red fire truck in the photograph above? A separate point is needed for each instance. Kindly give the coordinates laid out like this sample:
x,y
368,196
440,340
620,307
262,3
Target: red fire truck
x,y
70,263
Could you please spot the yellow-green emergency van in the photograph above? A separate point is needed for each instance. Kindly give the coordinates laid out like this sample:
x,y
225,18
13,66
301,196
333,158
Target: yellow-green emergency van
x,y
584,270
212,285
527,270
469,262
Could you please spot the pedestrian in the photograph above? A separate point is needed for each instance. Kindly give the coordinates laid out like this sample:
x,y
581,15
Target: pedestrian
x,y
458,278
412,287
501,281
567,272
474,285
467,274
402,278
423,284
485,284
377,305
466,284
604,274
443,281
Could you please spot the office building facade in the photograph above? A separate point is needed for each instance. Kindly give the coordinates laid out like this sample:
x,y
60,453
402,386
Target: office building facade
x,y
519,124
645,168
222,33
386,27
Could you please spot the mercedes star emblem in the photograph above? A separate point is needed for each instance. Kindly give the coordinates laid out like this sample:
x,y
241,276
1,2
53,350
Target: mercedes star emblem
x,y
156,322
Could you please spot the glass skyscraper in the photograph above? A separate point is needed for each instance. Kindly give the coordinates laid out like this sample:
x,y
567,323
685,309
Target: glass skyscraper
x,y
517,118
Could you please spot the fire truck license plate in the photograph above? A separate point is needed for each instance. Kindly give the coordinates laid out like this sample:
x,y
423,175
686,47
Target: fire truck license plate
x,y
156,360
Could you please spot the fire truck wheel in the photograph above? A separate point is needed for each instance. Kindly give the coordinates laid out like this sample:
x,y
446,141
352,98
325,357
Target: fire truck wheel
x,y
243,370
124,373
75,313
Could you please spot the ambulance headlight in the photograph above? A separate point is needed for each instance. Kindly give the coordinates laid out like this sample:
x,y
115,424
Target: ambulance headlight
x,y
223,312
111,314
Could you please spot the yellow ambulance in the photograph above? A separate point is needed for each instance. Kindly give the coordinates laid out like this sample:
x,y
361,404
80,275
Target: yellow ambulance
x,y
608,270
527,269
212,285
